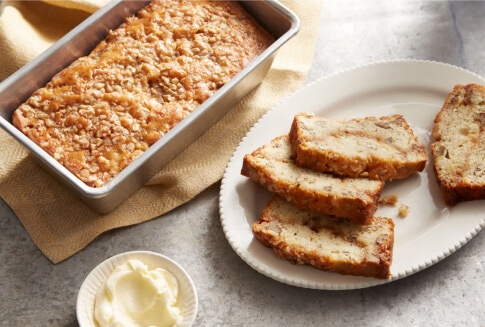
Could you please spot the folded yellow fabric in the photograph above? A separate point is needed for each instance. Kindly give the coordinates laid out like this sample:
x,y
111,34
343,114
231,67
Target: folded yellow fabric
x,y
56,220
29,27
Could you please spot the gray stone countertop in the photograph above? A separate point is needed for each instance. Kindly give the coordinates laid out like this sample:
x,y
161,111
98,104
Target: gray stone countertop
x,y
34,292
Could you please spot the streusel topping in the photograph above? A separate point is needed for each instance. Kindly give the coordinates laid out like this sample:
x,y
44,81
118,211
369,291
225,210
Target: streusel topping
x,y
104,110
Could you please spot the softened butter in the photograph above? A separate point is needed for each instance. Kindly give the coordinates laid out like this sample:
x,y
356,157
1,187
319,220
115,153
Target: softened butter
x,y
135,296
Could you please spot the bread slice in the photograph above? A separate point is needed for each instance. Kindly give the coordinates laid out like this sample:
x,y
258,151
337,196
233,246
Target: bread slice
x,y
375,147
459,145
307,238
272,166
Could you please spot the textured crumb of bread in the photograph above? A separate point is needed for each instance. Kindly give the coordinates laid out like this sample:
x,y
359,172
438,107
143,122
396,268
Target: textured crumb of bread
x,y
390,199
272,166
375,147
104,110
458,149
307,238
403,210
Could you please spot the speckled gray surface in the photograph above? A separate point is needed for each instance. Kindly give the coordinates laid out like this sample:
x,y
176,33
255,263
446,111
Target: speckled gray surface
x,y
451,293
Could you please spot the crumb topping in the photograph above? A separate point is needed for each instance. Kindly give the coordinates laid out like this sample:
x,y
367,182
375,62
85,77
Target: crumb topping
x,y
107,108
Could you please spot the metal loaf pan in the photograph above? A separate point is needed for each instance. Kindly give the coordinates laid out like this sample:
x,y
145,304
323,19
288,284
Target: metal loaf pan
x,y
276,18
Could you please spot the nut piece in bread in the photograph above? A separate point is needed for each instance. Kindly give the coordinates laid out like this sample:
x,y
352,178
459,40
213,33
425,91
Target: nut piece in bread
x,y
459,145
107,108
375,147
272,166
307,238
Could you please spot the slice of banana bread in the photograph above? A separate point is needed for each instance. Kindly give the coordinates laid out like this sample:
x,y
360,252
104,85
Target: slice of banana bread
x,y
459,145
272,166
376,147
307,238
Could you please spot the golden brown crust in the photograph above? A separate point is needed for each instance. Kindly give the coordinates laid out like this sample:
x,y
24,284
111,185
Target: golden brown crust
x,y
104,110
307,238
374,147
459,145
272,166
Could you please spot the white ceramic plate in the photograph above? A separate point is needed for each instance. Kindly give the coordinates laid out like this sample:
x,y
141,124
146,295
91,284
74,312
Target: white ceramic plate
x,y
430,232
187,297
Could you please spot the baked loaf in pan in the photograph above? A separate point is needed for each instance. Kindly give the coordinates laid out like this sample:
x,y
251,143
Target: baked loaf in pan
x,y
307,238
375,147
459,145
273,167
104,110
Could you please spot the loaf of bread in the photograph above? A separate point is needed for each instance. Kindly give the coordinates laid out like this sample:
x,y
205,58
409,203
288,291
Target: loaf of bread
x,y
273,167
307,238
458,149
375,147
104,110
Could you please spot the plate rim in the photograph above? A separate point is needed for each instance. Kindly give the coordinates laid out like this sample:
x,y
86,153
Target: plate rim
x,y
366,282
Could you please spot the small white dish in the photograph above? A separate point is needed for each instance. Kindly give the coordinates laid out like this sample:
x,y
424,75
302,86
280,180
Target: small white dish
x,y
187,296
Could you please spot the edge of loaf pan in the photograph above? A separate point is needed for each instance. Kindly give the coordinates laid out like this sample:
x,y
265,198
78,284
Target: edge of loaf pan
x,y
276,18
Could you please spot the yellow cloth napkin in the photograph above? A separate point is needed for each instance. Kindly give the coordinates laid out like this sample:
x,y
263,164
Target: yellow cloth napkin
x,y
56,220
